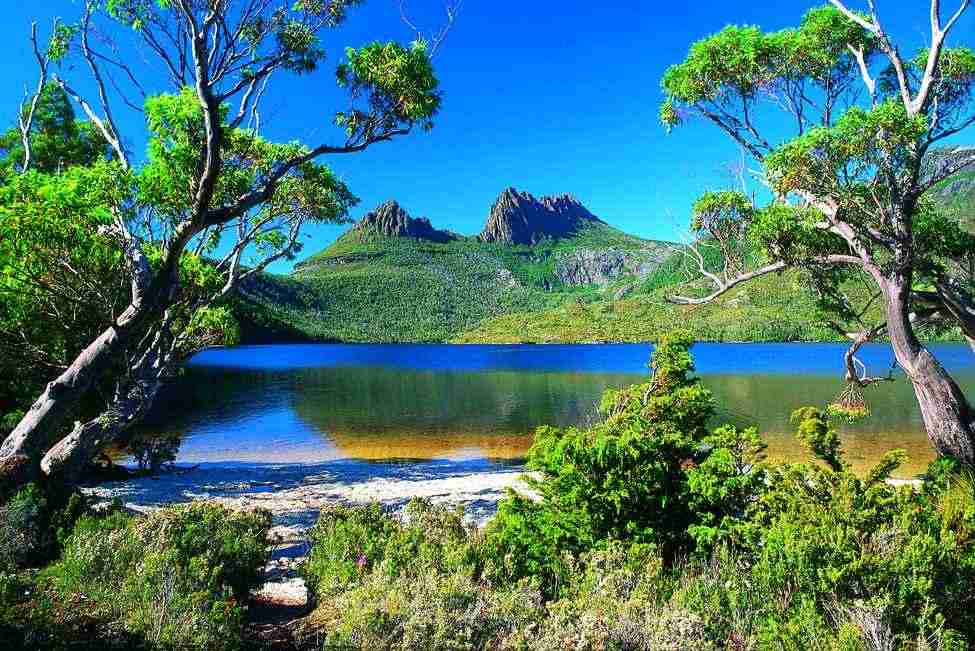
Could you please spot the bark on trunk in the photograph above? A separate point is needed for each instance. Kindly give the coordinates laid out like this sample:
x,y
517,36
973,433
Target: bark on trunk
x,y
66,461
24,447
948,416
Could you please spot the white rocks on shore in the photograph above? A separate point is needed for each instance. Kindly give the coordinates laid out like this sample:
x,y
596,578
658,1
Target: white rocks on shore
x,y
296,493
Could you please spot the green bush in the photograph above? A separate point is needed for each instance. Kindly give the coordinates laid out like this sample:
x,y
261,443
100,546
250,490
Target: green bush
x,y
905,555
414,582
654,530
32,526
617,598
179,577
650,473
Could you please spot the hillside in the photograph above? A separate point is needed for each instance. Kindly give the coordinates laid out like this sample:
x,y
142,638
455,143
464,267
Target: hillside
x,y
957,195
393,277
541,270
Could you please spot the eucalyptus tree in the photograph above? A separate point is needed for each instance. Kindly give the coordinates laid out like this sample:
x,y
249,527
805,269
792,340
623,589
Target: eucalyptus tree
x,y
866,133
213,202
48,311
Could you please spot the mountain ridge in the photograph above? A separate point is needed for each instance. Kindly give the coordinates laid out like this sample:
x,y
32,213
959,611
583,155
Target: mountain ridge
x,y
519,218
432,284
392,220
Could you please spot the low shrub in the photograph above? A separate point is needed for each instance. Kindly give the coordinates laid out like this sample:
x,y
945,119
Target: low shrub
x,y
410,582
858,547
32,525
179,577
650,473
653,529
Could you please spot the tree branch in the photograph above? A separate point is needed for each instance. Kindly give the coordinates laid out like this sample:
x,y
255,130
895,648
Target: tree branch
x,y
26,122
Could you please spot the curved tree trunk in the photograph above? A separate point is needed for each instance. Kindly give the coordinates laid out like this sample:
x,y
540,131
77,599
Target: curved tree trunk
x,y
25,446
948,417
22,450
66,461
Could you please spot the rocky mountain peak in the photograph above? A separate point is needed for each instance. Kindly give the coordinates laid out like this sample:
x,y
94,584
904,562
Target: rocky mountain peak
x,y
519,218
391,220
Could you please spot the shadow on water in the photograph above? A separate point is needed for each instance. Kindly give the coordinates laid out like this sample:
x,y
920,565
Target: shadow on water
x,y
316,404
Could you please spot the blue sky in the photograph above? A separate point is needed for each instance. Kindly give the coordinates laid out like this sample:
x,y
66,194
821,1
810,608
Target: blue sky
x,y
546,96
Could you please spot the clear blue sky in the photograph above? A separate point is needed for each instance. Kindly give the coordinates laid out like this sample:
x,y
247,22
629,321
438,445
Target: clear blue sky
x,y
546,96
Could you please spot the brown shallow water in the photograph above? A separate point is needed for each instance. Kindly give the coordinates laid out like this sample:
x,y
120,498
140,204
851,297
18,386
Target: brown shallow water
x,y
397,404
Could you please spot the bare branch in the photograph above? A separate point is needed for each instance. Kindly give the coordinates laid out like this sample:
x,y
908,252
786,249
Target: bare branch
x,y
868,81
856,370
452,9
26,122
934,53
724,286
108,125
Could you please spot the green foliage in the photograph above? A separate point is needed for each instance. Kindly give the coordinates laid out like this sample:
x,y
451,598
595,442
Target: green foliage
x,y
58,139
58,273
651,531
774,308
650,474
410,583
32,526
179,577
397,83
829,161
23,532
733,65
348,542
717,211
427,291
741,58
833,537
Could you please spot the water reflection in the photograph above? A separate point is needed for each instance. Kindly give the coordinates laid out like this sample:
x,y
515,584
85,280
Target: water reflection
x,y
307,404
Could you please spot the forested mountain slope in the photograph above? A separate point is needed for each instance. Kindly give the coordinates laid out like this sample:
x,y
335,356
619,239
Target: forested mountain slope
x,y
541,270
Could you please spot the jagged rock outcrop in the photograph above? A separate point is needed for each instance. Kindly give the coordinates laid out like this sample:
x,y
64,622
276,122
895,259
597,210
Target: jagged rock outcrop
x,y
519,218
602,267
391,220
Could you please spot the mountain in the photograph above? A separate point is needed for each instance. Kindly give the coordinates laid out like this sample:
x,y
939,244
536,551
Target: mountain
x,y
392,277
391,220
519,218
540,270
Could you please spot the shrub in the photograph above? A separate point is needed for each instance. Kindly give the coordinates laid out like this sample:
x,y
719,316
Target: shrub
x,y
179,577
32,525
409,583
23,534
617,599
650,473
835,537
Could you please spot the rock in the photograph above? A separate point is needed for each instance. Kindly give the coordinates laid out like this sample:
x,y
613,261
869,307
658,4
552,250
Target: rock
x,y
602,267
391,220
622,292
291,592
519,218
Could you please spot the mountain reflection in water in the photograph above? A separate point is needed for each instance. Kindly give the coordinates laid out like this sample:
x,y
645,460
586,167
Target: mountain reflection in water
x,y
313,403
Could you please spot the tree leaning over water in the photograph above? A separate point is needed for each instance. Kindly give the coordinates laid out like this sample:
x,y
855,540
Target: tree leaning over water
x,y
851,187
214,202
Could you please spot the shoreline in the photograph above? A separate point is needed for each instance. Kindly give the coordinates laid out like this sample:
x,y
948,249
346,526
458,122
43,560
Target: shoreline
x,y
296,493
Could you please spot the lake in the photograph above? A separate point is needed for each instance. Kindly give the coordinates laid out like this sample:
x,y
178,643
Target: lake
x,y
307,404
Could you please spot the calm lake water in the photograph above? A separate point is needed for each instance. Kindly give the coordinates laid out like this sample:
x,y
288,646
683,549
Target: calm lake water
x,y
314,403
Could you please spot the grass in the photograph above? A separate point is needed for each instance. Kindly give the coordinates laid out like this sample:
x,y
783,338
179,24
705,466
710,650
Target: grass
x,y
774,308
957,195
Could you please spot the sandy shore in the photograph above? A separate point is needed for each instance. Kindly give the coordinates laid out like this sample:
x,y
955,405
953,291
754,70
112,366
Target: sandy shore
x,y
295,493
